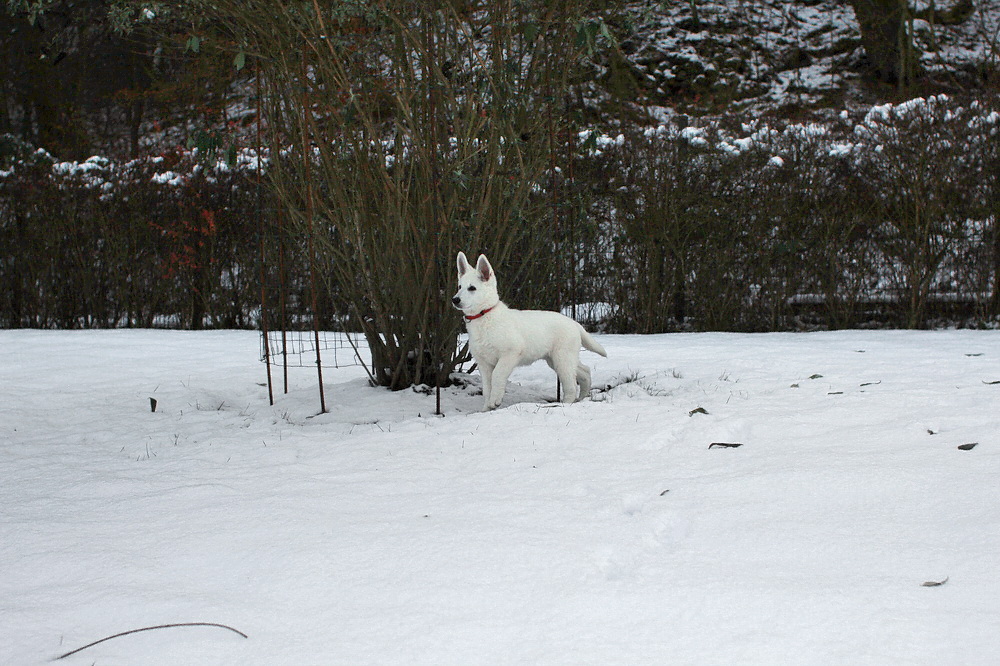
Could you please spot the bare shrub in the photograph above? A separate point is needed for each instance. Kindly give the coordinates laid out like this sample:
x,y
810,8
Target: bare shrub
x,y
924,161
408,131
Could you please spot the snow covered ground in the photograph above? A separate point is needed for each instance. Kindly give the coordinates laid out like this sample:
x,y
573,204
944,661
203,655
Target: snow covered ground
x,y
605,532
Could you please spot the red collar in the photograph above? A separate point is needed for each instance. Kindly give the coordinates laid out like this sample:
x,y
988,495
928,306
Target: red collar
x,y
468,318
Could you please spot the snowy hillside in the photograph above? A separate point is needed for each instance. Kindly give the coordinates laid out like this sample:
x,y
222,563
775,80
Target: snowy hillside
x,y
775,55
617,530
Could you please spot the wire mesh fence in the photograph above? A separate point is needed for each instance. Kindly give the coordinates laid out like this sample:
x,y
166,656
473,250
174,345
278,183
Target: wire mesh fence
x,y
298,348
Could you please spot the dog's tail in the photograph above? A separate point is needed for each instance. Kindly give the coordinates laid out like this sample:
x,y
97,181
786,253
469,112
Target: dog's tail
x,y
590,343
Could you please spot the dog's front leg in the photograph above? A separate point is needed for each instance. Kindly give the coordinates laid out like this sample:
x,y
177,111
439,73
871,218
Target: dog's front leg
x,y
501,372
486,372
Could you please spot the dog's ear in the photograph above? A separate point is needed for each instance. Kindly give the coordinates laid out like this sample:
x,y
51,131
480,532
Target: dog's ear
x,y
463,264
484,268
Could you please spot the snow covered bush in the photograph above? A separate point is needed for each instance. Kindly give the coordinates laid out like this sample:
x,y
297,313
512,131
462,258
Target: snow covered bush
x,y
888,217
925,161
157,241
888,220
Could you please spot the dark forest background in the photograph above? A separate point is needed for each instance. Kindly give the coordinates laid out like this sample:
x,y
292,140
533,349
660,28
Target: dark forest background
x,y
645,166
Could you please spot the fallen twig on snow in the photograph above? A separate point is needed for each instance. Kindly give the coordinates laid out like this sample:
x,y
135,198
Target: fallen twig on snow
x,y
161,626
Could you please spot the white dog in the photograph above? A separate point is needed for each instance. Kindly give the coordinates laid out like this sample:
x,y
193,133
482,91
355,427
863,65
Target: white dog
x,y
502,338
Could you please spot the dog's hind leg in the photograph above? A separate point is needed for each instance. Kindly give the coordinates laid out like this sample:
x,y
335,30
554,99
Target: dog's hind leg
x,y
583,379
566,371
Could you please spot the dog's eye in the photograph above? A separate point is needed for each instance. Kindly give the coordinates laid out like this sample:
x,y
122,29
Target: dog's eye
x,y
472,288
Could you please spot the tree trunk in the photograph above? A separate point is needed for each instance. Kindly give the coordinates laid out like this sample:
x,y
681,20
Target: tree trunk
x,y
886,38
994,304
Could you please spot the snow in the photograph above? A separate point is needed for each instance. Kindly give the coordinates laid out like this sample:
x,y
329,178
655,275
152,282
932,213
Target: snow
x,y
602,532
168,178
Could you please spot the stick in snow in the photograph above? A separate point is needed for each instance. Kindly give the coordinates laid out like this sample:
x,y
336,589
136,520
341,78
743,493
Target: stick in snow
x,y
161,626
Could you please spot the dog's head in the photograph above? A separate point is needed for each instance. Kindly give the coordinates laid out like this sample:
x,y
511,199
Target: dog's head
x,y
477,287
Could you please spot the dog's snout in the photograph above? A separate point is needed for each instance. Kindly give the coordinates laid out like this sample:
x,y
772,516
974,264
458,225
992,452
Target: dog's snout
x,y
456,299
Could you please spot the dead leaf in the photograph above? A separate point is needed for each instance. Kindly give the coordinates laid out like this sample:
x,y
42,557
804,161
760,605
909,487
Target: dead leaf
x,y
935,583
